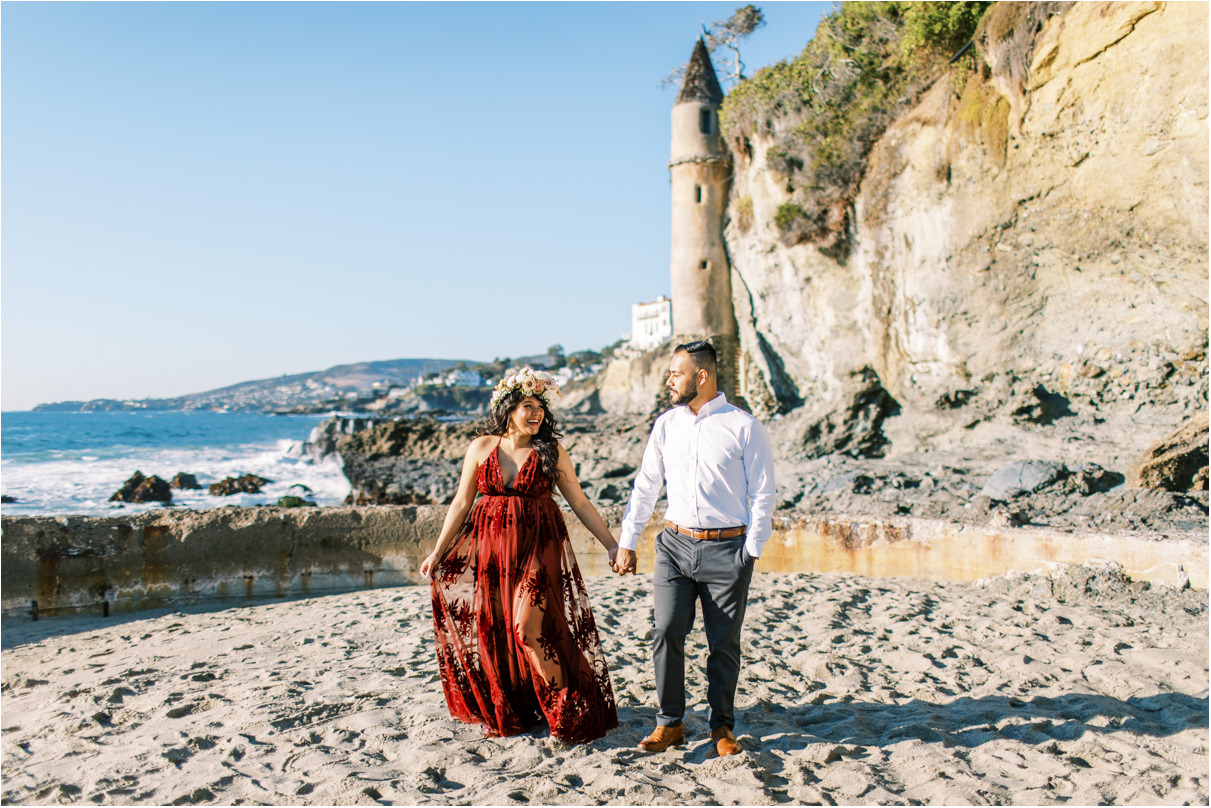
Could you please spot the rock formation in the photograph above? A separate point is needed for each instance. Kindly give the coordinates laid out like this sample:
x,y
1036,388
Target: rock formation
x,y
140,488
1013,261
294,502
246,484
412,461
1176,463
184,482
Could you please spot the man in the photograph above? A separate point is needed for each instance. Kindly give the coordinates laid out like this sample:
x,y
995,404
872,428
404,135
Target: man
x,y
716,464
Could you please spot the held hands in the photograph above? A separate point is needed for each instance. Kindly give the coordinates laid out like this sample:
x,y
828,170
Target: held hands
x,y
623,561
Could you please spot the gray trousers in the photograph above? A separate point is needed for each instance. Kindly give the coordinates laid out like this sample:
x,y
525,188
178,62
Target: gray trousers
x,y
717,573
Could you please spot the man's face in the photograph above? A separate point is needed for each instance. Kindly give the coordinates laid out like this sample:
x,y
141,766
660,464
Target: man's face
x,y
683,379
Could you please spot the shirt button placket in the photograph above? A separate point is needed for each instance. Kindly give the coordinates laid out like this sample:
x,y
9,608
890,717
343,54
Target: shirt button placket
x,y
695,432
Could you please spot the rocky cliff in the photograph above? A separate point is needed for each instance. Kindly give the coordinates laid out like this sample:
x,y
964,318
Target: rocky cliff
x,y
1020,256
1022,272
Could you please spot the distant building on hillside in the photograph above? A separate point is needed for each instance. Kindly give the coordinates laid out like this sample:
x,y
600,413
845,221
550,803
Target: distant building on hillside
x,y
463,378
651,323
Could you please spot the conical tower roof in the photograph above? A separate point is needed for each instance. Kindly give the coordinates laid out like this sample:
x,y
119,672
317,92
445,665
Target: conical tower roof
x,y
700,82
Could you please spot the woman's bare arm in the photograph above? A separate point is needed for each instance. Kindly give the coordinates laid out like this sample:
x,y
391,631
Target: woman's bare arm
x,y
569,486
460,506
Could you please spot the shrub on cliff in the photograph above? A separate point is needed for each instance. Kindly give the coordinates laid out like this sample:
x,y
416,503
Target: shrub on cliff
x,y
826,108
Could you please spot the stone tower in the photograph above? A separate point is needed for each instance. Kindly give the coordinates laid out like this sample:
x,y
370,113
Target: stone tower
x,y
700,170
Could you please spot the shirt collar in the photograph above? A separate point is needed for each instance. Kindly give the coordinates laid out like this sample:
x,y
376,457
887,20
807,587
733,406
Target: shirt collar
x,y
710,407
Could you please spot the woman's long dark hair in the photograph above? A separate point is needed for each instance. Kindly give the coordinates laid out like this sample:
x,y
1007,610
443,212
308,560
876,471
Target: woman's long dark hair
x,y
546,442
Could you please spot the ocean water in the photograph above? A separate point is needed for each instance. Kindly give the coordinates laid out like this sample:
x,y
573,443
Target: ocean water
x,y
71,463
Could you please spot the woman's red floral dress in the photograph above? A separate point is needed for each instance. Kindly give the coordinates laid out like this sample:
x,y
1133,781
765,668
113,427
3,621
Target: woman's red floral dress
x,y
516,640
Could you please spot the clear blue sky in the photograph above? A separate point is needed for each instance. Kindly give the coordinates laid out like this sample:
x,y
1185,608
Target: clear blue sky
x,y
199,194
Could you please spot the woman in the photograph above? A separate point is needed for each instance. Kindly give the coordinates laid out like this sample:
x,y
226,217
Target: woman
x,y
516,640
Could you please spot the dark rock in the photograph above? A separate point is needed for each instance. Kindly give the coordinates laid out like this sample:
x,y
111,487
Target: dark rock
x,y
401,480
410,437
294,502
1090,478
184,482
143,489
854,429
419,460
247,484
413,461
954,399
1176,463
610,493
5,499
1039,406
1021,477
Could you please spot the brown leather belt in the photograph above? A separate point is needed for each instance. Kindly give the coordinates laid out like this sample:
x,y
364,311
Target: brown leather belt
x,y
709,534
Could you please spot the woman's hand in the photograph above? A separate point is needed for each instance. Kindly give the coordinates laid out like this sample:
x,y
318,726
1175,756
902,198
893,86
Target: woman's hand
x,y
613,552
426,566
626,562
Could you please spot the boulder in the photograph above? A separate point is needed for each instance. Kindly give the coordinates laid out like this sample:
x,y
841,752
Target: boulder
x,y
1176,463
294,502
184,482
5,499
140,488
247,484
1021,477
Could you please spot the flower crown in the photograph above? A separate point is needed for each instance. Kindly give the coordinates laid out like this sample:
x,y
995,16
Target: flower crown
x,y
529,382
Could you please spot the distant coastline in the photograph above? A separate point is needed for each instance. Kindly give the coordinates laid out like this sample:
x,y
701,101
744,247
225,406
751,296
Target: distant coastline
x,y
300,393
352,387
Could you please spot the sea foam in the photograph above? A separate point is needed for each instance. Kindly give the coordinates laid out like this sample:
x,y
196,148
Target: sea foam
x,y
73,466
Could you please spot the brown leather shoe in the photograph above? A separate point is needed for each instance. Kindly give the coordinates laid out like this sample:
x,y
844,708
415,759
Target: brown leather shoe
x,y
662,738
725,742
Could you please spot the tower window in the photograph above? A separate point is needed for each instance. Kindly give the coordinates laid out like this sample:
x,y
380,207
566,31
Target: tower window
x,y
704,121
704,264
698,193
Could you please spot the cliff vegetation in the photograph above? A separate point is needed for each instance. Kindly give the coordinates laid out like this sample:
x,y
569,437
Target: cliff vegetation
x,y
868,63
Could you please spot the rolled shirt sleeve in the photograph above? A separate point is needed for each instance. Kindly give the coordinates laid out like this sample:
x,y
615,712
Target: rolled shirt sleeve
x,y
759,474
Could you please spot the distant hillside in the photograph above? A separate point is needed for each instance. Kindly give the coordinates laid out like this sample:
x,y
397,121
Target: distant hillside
x,y
301,390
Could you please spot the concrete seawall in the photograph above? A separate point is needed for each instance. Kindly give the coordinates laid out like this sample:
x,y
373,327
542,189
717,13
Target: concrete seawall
x,y
159,558
163,558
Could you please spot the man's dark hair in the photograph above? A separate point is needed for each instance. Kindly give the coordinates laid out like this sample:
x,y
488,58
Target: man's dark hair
x,y
702,354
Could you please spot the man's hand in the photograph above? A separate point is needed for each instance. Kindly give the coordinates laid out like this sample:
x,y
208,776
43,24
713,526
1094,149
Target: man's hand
x,y
625,562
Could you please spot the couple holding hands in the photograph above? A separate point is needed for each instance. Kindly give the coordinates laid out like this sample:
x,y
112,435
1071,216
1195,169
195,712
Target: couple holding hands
x,y
516,639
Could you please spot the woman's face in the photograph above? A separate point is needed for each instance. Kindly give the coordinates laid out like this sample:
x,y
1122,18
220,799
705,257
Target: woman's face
x,y
527,418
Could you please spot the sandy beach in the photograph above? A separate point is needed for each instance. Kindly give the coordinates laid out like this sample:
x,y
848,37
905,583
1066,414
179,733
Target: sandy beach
x,y
1017,690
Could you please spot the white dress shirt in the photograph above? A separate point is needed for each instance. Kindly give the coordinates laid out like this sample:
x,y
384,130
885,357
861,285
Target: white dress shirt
x,y
718,468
